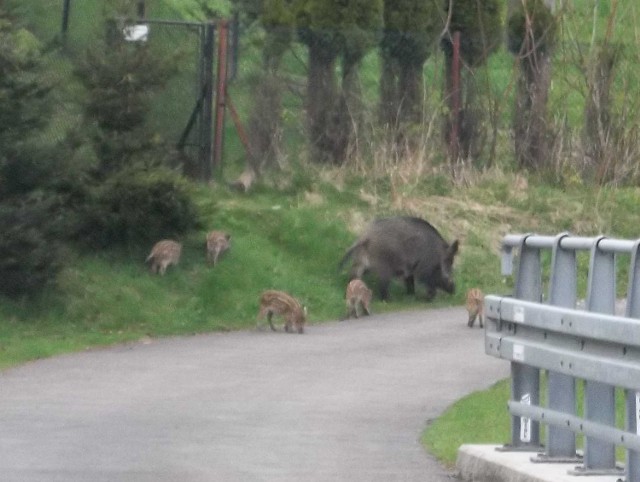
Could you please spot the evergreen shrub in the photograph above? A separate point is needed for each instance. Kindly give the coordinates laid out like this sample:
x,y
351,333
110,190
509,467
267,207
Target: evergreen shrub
x,y
31,256
139,206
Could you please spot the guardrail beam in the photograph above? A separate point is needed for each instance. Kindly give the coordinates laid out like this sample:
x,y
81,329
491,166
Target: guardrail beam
x,y
593,345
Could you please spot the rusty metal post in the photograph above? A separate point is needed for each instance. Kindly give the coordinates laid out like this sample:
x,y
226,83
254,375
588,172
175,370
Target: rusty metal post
x,y
221,88
455,102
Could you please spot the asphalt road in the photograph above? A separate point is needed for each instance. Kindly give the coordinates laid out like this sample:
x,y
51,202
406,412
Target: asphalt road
x,y
346,401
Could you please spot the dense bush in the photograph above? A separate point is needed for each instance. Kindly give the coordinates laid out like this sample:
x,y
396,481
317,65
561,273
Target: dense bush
x,y
121,79
131,196
138,206
535,22
30,255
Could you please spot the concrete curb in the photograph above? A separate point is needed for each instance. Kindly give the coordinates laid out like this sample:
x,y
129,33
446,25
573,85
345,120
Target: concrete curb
x,y
483,463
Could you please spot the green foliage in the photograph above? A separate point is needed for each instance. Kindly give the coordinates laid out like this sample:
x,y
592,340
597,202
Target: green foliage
x,y
137,206
334,29
23,94
29,257
201,10
531,25
121,78
480,26
347,28
278,13
410,29
29,252
278,19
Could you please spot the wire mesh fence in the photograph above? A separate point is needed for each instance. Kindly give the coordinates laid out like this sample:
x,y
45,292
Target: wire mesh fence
x,y
175,116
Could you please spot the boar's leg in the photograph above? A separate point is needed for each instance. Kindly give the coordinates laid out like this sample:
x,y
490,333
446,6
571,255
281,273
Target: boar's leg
x,y
385,275
383,288
350,310
269,316
288,324
472,320
410,284
431,292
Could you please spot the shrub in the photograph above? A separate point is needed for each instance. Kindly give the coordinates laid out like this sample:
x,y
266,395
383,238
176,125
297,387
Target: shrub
x,y
29,253
138,206
121,78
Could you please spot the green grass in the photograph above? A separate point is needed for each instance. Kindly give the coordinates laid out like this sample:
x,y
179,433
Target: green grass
x,y
278,241
480,418
483,418
288,238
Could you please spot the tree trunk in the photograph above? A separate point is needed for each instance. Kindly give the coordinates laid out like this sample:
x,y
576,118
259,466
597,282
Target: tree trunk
x,y
265,121
389,92
410,86
321,101
599,145
530,119
348,114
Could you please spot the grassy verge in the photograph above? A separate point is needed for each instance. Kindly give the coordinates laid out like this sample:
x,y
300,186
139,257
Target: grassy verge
x,y
291,237
483,418
280,240
480,418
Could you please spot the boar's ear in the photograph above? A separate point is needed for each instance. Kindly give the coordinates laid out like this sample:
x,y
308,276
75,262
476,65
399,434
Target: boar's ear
x,y
453,249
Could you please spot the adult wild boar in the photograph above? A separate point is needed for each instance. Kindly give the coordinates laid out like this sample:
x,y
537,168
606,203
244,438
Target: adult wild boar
x,y
403,247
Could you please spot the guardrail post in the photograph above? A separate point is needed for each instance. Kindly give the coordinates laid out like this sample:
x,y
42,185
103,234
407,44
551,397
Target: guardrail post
x,y
632,467
599,398
561,443
525,380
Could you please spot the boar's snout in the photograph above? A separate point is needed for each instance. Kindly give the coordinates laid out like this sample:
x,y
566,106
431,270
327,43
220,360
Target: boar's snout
x,y
449,286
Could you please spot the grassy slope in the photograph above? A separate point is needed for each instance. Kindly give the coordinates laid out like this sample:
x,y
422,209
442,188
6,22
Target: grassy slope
x,y
290,240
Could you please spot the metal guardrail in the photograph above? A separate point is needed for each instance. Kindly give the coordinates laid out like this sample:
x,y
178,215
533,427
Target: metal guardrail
x,y
592,344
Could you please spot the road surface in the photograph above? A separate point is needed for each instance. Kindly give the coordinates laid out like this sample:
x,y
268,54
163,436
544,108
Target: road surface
x,y
346,401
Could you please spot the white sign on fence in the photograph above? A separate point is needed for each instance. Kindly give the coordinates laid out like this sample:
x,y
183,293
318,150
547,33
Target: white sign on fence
x,y
136,33
525,423
518,353
638,413
518,314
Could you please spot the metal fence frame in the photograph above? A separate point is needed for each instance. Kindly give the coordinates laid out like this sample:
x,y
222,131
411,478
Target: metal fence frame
x,y
590,344
201,131
201,119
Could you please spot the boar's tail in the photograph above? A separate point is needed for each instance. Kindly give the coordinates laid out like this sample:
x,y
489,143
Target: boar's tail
x,y
350,252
